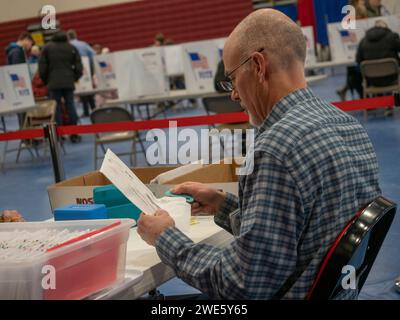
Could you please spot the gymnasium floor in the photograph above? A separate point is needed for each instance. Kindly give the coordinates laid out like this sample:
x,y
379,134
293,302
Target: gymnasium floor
x,y
24,184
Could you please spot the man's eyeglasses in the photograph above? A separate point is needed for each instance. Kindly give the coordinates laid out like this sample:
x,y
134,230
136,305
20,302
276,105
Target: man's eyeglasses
x,y
228,85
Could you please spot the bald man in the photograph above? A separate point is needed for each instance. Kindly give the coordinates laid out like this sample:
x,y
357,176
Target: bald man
x,y
314,168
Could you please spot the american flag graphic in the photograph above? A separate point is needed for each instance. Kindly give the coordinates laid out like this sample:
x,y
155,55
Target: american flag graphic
x,y
348,36
105,67
18,82
198,61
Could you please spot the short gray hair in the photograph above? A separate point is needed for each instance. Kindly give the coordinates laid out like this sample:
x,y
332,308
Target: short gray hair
x,y
282,39
71,33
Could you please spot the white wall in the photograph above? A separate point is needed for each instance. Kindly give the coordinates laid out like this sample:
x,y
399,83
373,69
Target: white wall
x,y
19,9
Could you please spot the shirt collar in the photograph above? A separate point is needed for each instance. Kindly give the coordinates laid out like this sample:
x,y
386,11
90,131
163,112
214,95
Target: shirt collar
x,y
283,105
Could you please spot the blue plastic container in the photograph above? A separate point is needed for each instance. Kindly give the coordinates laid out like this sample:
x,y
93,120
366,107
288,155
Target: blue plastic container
x,y
81,212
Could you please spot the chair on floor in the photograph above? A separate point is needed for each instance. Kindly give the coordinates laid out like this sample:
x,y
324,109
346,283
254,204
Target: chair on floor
x,y
114,114
37,118
224,104
379,77
357,245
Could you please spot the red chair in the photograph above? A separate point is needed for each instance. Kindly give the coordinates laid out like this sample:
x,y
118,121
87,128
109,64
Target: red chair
x,y
357,245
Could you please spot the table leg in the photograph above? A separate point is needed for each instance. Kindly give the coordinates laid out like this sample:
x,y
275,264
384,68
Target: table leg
x,y
3,155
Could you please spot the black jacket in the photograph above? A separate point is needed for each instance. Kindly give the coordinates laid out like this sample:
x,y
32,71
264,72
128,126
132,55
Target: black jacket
x,y
60,64
15,54
379,43
220,76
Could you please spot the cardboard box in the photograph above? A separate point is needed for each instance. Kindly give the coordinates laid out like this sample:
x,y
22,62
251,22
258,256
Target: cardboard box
x,y
219,176
80,189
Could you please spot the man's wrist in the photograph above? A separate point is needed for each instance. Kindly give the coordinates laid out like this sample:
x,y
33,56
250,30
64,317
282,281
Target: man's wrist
x,y
219,200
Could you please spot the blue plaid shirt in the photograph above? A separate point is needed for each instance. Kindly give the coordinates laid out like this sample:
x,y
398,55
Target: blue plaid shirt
x,y
314,167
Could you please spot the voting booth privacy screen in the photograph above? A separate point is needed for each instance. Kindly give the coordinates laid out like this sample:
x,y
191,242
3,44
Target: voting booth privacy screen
x,y
145,72
85,82
104,67
15,87
200,64
344,43
135,73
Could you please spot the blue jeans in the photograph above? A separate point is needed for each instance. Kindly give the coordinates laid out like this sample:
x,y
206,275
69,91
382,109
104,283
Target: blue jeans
x,y
68,95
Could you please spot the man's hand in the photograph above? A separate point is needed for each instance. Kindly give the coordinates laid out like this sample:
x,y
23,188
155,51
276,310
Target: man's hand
x,y
150,227
11,216
207,200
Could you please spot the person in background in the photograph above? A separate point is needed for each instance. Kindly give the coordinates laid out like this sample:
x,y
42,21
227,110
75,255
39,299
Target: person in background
x,y
219,76
60,66
34,55
97,48
380,43
16,52
11,216
159,40
85,50
40,90
375,8
312,168
353,74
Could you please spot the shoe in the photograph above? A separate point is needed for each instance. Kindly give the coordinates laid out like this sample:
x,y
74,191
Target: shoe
x,y
389,112
74,138
342,94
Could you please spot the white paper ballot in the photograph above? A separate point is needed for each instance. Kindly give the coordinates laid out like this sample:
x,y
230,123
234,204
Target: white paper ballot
x,y
130,185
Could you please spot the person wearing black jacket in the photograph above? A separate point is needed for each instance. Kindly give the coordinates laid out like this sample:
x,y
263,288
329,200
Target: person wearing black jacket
x,y
379,43
60,66
220,76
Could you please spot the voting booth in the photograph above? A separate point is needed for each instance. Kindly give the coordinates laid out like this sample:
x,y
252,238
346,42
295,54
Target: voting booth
x,y
200,61
15,88
344,43
220,42
309,37
104,68
149,72
135,73
85,82
173,60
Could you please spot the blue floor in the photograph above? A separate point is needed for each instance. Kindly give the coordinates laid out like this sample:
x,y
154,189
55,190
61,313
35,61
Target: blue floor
x,y
24,184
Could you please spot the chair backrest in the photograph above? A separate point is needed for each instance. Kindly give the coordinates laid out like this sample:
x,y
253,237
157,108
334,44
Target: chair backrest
x,y
379,68
357,245
110,114
43,114
221,104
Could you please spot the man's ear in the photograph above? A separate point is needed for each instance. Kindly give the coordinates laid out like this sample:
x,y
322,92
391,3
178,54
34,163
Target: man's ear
x,y
261,64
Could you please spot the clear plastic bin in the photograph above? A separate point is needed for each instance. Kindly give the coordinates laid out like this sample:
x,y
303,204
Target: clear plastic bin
x,y
82,267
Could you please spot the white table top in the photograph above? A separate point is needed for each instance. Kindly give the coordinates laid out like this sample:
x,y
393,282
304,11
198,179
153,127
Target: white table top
x,y
319,77
173,95
329,64
140,256
16,110
183,94
94,91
